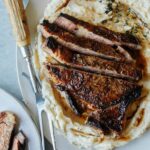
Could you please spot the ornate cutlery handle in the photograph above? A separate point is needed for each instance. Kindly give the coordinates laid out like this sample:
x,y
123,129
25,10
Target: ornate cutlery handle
x,y
20,26
19,21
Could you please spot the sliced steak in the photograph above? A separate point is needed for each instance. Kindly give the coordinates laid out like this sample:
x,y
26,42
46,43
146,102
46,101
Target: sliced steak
x,y
110,119
91,63
83,45
19,142
100,91
98,33
7,125
107,119
73,102
79,106
105,97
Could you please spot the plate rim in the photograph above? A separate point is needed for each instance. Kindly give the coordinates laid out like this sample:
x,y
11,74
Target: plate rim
x,y
25,109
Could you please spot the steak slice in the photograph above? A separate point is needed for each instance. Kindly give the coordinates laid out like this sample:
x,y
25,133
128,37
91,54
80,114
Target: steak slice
x,y
106,99
83,45
79,106
110,119
7,125
98,33
100,91
72,102
19,141
91,63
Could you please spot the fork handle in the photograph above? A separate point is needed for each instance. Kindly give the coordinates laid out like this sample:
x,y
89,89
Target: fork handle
x,y
19,22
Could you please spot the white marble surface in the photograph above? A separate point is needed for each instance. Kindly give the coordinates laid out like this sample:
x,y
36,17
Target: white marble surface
x,y
8,74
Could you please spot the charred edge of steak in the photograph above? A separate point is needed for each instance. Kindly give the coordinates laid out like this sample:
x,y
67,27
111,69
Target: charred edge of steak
x,y
52,43
97,124
130,96
125,99
80,105
72,102
84,45
124,38
46,23
113,117
127,71
107,120
81,82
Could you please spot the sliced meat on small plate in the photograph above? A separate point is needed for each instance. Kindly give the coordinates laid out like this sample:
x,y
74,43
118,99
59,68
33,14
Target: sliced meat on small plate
x,y
7,126
19,141
26,124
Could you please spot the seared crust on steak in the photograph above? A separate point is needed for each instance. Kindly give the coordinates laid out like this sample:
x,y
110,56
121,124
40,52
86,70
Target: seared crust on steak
x,y
83,45
105,94
100,91
97,33
114,118
96,70
64,55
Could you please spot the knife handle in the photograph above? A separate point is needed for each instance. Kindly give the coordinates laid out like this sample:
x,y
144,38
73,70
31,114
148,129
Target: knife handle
x,y
19,22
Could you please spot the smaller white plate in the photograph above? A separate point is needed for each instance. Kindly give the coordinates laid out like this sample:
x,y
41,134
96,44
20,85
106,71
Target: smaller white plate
x,y
26,124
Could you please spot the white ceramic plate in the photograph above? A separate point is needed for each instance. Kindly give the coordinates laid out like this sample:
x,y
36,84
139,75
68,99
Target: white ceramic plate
x,y
36,9
26,124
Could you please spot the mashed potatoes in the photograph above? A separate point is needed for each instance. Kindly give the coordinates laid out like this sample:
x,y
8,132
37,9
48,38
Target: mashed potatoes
x,y
99,12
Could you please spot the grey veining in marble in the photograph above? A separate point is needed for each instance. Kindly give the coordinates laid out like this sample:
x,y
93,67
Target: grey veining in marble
x,y
8,74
